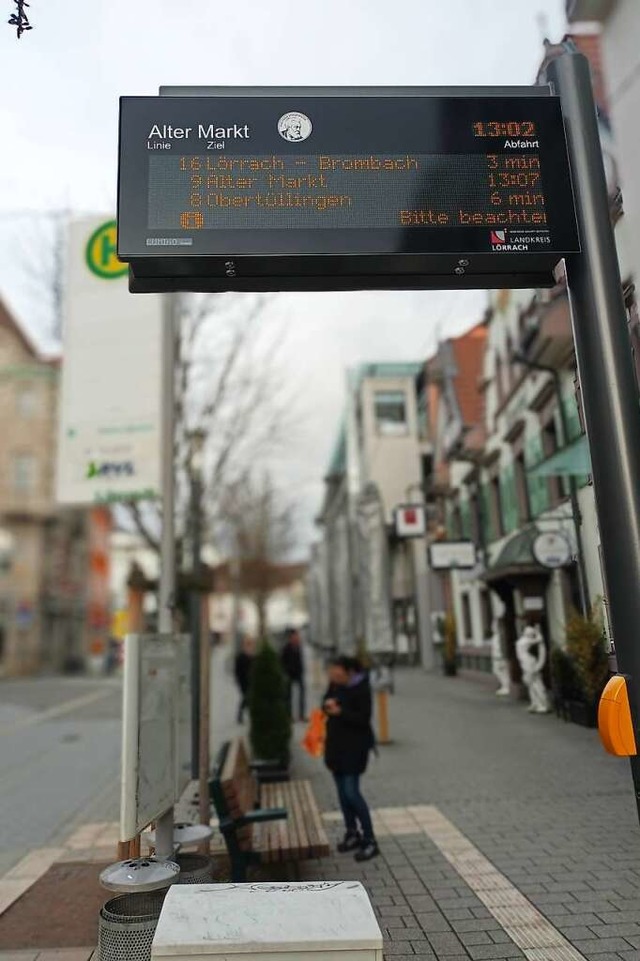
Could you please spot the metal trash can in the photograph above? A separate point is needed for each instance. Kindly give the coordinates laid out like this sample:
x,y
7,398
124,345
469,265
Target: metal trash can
x,y
194,869
127,926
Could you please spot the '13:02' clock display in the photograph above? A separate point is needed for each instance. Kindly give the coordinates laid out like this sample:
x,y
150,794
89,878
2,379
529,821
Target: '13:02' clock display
x,y
504,128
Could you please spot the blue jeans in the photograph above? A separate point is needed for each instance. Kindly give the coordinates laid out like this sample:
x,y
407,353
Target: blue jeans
x,y
354,808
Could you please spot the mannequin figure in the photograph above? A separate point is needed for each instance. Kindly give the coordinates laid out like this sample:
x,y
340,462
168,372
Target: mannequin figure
x,y
499,663
532,666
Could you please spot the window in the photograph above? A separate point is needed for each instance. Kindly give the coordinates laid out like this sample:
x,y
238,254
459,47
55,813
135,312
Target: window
x,y
391,412
24,473
631,304
522,490
423,418
26,401
496,506
550,446
456,522
466,618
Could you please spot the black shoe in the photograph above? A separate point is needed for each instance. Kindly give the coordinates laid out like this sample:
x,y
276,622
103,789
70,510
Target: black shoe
x,y
368,850
350,842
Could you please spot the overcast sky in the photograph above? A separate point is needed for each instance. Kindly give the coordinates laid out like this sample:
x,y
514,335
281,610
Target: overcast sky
x,y
58,129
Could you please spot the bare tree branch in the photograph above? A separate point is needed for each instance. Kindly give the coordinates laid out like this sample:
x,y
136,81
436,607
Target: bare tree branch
x,y
143,526
229,387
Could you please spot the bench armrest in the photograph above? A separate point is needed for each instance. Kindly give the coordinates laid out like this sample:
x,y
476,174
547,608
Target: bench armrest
x,y
262,815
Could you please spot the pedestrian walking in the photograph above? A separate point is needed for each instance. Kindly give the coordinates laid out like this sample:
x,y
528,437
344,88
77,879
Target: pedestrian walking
x,y
293,666
349,740
242,672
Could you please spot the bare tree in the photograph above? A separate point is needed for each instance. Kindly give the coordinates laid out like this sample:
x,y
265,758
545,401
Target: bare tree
x,y
230,389
42,249
259,530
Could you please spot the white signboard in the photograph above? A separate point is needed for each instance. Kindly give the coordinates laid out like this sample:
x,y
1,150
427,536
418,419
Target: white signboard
x,y
109,433
154,735
444,555
533,604
552,549
411,520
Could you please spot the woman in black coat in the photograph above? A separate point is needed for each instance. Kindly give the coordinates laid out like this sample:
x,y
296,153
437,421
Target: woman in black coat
x,y
349,739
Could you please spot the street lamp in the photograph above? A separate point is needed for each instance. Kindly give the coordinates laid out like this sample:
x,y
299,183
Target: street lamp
x,y
195,439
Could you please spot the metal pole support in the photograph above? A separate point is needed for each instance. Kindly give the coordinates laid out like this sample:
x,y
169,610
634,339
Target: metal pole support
x,y
609,390
166,599
195,609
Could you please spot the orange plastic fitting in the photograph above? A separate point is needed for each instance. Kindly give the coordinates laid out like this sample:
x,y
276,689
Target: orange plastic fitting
x,y
615,723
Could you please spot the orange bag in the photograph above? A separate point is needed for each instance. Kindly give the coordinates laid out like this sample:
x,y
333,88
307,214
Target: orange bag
x,y
314,737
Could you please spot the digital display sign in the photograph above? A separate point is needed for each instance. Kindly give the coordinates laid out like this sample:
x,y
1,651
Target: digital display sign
x,y
343,191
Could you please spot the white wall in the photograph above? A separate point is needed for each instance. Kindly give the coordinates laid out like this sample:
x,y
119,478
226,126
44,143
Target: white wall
x,y
390,462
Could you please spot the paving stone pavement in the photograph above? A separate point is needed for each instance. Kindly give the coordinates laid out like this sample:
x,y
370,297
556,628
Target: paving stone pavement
x,y
538,798
503,835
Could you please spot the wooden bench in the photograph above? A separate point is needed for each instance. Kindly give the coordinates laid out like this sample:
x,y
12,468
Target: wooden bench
x,y
263,823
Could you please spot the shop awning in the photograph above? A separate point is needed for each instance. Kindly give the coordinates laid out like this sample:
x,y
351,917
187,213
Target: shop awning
x,y
570,461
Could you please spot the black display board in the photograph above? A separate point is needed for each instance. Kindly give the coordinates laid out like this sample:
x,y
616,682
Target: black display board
x,y
295,192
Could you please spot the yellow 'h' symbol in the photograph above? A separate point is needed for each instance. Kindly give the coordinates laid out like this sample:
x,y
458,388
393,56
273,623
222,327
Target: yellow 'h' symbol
x,y
101,253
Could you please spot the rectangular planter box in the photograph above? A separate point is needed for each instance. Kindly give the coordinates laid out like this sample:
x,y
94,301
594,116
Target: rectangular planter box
x,y
583,714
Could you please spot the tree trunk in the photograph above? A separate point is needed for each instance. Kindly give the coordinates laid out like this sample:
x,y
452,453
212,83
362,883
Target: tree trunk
x,y
261,606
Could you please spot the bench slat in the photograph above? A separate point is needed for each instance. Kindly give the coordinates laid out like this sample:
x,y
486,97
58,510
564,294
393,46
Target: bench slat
x,y
320,846
297,819
293,801
282,827
306,816
266,835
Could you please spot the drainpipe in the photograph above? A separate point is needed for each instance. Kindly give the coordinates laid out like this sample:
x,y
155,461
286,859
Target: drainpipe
x,y
519,358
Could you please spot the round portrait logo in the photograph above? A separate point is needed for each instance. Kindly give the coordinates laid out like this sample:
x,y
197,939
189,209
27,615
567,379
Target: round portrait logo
x,y
294,126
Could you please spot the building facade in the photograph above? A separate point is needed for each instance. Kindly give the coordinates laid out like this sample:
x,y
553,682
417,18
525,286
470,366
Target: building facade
x,y
619,23
532,475
45,553
374,585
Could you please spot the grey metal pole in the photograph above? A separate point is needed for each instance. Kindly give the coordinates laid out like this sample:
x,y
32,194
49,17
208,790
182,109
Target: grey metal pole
x,y
166,599
196,618
609,390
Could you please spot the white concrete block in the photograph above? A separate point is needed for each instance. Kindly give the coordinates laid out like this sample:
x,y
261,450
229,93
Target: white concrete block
x,y
306,921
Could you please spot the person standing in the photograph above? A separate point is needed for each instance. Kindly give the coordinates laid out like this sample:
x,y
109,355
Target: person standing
x,y
349,740
293,666
242,672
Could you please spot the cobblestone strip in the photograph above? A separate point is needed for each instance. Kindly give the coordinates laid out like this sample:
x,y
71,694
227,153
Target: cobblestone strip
x,y
525,925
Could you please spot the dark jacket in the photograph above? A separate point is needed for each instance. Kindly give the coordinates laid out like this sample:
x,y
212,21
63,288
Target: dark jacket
x,y
242,670
349,735
291,658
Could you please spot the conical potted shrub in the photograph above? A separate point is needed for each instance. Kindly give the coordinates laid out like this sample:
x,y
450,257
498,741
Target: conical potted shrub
x,y
270,722
587,649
